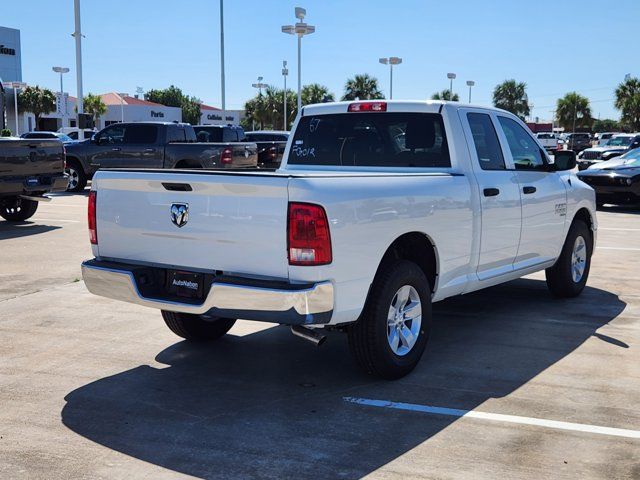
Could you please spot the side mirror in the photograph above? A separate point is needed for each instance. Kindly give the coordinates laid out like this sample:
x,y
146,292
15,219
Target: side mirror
x,y
564,160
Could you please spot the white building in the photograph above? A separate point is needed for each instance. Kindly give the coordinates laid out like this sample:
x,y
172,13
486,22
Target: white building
x,y
214,116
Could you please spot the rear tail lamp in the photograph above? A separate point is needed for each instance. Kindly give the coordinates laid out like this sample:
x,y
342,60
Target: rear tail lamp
x,y
273,153
309,240
91,217
227,156
368,107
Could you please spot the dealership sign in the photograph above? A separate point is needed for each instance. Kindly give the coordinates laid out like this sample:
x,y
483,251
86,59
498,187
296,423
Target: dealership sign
x,y
157,114
4,50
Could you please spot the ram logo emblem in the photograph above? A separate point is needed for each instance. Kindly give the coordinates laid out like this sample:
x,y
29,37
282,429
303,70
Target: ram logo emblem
x,y
179,214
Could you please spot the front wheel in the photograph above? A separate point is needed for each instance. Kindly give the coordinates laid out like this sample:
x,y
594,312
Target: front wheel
x,y
389,338
77,177
199,328
568,277
18,210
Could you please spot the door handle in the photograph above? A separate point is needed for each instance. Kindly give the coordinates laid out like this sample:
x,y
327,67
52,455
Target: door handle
x,y
528,189
116,149
491,192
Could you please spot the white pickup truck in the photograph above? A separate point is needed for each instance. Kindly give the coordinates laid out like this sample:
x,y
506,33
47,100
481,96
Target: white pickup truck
x,y
378,210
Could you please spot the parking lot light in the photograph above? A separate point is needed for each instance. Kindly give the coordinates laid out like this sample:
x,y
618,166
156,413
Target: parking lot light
x,y
15,86
391,61
300,29
451,77
470,83
61,71
285,72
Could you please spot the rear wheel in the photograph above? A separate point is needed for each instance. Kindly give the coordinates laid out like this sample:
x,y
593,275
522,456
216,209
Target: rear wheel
x,y
18,210
568,277
389,338
197,327
77,177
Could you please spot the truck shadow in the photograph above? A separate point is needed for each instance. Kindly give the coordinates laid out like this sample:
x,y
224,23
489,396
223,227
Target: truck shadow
x,y
268,405
23,229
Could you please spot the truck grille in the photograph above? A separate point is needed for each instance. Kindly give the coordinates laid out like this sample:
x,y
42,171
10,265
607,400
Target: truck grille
x,y
598,180
587,155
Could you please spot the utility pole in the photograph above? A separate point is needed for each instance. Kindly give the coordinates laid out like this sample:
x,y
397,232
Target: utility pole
x,y
222,55
285,72
77,34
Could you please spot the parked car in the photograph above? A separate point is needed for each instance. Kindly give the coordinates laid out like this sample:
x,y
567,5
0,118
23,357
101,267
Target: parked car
x,y
52,135
615,181
379,209
548,140
577,141
271,146
615,146
152,145
602,138
29,168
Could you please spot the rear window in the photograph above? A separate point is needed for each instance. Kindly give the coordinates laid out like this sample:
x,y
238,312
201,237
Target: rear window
x,y
371,140
206,135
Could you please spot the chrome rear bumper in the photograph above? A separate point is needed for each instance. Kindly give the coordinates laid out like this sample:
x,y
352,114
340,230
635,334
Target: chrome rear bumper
x,y
290,305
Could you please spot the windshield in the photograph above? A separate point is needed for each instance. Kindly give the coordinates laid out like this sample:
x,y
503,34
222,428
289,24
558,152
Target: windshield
x,y
371,140
619,141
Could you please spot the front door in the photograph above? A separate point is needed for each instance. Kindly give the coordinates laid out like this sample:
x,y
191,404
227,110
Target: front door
x,y
543,194
499,195
109,151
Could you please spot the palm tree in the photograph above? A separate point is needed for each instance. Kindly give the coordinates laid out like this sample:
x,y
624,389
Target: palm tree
x,y
445,95
628,102
94,105
512,97
266,110
316,93
362,87
572,111
39,101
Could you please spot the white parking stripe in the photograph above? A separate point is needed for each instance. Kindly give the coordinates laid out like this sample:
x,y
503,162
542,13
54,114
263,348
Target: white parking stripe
x,y
620,229
497,417
57,220
619,248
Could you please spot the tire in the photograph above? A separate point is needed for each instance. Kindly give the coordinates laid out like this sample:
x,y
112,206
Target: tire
x,y
18,210
370,337
197,328
561,280
77,176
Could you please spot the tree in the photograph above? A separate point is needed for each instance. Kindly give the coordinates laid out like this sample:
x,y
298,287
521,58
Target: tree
x,y
512,97
445,95
316,93
266,111
362,87
605,125
628,102
36,100
94,105
573,109
173,97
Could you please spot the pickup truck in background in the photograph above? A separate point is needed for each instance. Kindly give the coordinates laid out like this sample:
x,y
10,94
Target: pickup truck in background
x,y
548,140
271,146
379,209
152,145
29,168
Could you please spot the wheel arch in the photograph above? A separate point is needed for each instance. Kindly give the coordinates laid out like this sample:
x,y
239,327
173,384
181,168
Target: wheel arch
x,y
586,216
187,163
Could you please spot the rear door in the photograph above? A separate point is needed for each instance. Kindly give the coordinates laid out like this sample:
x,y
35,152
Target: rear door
x,y
542,192
499,194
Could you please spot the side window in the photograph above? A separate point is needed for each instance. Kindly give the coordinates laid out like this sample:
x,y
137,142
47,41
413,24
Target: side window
x,y
176,134
141,134
113,135
486,142
526,153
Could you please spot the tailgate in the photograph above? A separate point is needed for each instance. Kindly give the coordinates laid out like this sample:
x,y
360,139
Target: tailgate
x,y
30,157
236,223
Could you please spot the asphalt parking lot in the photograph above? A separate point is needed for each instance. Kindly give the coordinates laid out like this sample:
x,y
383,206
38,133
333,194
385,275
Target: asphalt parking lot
x,y
93,388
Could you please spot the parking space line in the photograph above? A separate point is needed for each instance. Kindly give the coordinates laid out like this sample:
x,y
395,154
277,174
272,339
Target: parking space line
x,y
619,248
620,229
57,220
497,417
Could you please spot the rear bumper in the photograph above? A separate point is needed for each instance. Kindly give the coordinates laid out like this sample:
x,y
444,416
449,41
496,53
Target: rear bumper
x,y
23,185
227,297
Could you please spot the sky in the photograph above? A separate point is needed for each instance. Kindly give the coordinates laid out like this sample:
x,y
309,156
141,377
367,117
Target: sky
x,y
554,46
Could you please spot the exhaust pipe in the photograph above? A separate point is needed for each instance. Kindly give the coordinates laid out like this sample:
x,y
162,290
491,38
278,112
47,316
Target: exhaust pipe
x,y
308,334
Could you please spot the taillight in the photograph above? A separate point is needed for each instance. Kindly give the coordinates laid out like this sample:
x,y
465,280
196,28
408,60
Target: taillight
x,y
368,107
227,156
273,153
91,217
309,240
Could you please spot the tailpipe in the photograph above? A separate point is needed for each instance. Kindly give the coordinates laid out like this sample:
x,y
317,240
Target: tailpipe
x,y
308,334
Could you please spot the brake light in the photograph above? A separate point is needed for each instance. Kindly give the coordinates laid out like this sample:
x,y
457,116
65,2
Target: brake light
x,y
227,156
309,240
91,217
273,153
368,107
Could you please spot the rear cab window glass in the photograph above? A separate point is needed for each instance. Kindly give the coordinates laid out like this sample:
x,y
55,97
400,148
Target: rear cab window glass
x,y
208,135
371,140
485,140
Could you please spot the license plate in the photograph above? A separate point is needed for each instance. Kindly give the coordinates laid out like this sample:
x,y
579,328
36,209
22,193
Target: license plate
x,y
185,284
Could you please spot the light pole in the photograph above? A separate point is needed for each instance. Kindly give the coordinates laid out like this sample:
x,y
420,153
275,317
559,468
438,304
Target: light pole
x,y
391,61
451,76
77,34
300,29
470,83
285,72
222,55
61,71
259,85
15,86
122,95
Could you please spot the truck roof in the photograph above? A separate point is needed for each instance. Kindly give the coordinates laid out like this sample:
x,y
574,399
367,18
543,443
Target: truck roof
x,y
426,106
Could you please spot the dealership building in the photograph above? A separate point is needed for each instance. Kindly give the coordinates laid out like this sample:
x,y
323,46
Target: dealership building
x,y
120,106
